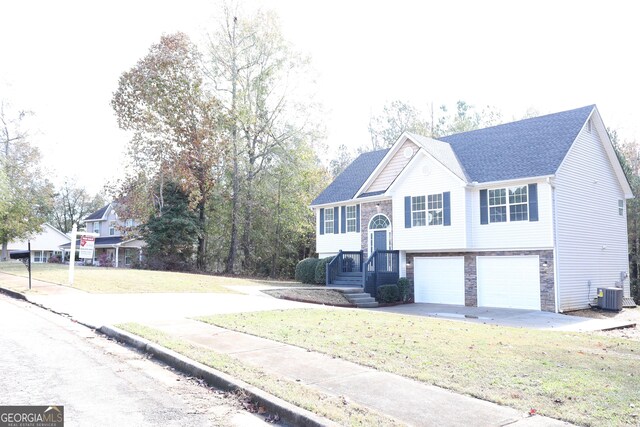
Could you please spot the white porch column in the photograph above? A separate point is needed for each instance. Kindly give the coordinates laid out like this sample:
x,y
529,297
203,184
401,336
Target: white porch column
x,y
117,247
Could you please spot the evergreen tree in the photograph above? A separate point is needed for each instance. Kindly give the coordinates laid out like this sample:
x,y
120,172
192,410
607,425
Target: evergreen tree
x,y
172,233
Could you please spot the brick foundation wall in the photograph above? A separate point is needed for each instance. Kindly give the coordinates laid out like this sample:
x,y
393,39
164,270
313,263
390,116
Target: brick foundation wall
x,y
547,294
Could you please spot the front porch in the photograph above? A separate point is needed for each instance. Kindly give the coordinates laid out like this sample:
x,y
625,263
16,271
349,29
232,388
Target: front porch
x,y
348,269
112,252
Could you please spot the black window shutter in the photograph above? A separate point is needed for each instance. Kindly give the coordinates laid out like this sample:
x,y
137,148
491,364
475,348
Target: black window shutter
x,y
484,207
321,220
407,212
446,208
335,220
533,202
343,220
358,218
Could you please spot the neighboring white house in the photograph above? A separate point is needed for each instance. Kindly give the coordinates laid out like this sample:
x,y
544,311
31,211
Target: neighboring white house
x,y
44,245
529,214
112,240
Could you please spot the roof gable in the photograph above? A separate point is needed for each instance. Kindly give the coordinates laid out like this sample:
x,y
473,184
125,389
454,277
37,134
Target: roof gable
x,y
99,214
347,184
522,149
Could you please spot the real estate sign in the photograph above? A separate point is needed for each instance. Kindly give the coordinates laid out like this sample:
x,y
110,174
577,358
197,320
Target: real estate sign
x,y
87,244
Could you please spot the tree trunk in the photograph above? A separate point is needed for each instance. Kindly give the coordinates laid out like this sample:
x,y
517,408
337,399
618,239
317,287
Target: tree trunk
x,y
202,239
276,242
5,253
233,243
248,221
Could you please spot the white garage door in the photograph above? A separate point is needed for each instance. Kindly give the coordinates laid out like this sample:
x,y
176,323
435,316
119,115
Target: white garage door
x,y
439,280
509,282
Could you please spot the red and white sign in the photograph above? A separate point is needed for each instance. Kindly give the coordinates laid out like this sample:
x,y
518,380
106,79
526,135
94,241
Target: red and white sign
x,y
87,245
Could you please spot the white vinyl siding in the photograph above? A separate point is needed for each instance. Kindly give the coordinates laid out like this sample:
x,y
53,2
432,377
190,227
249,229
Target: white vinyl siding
x,y
330,244
428,176
512,234
592,235
392,169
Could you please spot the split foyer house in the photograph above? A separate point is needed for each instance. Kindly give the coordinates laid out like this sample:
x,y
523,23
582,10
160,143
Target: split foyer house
x,y
529,214
121,250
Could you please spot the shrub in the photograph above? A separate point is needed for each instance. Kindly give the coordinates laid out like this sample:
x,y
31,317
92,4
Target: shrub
x,y
404,287
321,270
388,293
306,270
54,259
104,260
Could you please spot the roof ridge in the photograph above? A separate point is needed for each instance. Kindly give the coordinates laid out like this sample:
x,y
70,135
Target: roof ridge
x,y
544,116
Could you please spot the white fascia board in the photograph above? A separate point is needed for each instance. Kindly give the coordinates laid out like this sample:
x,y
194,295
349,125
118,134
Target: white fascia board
x,y
611,153
394,149
105,215
509,182
351,202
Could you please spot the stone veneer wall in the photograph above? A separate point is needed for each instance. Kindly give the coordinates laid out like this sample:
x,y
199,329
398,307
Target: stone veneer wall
x,y
368,211
547,294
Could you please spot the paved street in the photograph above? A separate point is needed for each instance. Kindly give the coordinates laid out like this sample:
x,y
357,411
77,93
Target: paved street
x,y
46,359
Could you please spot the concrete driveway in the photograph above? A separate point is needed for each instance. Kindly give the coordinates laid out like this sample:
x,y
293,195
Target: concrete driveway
x,y
507,317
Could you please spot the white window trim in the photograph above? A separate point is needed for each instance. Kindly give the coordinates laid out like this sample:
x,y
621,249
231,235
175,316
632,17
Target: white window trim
x,y
508,205
431,213
371,231
417,211
351,221
327,229
96,227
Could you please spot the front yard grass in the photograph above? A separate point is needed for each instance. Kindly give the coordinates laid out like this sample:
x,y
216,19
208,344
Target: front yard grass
x,y
581,378
334,408
123,280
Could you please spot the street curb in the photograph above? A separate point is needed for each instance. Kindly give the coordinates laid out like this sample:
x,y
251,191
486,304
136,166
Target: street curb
x,y
287,411
13,294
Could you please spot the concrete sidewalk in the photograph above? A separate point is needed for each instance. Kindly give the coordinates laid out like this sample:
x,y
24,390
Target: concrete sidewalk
x,y
407,400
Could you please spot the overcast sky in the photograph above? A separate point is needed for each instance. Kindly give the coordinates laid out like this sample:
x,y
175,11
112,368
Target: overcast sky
x,y
62,60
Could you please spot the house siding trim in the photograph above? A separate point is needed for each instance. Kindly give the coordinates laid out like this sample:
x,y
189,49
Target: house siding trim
x,y
546,271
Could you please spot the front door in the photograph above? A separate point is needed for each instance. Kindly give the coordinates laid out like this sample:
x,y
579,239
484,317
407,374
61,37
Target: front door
x,y
380,240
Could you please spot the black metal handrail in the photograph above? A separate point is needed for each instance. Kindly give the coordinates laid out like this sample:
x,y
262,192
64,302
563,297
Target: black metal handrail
x,y
382,267
345,262
332,269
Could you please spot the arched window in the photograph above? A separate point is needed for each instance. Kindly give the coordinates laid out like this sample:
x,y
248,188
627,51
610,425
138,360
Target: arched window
x,y
379,222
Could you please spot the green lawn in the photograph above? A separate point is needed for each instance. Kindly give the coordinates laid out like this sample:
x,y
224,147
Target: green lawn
x,y
122,280
585,379
334,408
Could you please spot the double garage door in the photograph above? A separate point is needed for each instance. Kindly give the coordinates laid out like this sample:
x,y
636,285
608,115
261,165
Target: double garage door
x,y
502,281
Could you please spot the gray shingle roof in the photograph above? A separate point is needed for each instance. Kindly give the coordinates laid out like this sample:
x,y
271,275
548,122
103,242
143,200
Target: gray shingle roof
x,y
97,214
100,241
522,149
345,186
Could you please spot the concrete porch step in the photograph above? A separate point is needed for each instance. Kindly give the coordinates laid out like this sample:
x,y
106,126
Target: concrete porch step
x,y
361,299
